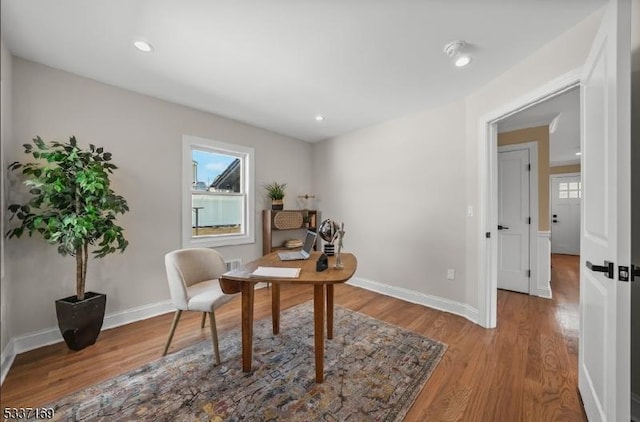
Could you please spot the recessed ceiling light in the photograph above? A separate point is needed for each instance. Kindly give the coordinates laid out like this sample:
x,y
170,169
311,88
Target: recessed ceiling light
x,y
578,153
319,118
143,46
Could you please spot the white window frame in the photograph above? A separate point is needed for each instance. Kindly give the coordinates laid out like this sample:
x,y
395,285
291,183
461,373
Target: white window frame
x,y
247,158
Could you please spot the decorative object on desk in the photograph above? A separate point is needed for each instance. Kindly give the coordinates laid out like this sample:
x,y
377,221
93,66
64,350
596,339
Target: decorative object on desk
x,y
73,207
357,386
322,263
275,191
327,231
340,236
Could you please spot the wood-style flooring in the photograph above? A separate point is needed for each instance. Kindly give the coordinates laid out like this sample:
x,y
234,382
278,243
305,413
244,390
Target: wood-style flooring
x,y
524,370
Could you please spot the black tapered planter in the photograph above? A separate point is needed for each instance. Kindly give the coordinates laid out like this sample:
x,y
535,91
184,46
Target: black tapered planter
x,y
80,321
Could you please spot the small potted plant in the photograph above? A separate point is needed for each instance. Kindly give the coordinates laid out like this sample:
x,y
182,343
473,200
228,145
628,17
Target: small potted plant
x,y
72,206
275,191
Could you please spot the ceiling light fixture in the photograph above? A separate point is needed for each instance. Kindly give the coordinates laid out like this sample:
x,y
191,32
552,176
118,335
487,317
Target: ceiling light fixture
x,y
455,50
578,153
319,118
143,46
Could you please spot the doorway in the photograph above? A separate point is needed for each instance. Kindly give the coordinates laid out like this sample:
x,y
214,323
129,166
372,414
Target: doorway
x,y
566,193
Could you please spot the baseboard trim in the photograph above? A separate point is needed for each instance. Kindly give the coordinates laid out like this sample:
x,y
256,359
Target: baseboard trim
x,y
6,359
635,407
434,302
36,339
544,293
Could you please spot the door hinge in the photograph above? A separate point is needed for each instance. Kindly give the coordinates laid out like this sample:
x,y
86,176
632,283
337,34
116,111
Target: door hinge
x,y
529,220
528,167
528,273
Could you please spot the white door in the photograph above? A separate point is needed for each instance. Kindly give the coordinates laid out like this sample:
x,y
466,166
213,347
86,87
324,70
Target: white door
x,y
513,220
566,192
604,356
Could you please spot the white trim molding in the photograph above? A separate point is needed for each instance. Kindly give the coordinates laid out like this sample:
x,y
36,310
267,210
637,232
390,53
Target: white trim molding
x,y
441,304
543,280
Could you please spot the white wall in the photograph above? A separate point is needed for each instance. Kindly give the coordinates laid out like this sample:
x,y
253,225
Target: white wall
x,y
145,136
399,188
5,137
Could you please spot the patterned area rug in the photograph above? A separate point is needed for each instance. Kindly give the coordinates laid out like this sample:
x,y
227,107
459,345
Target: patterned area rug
x,y
373,371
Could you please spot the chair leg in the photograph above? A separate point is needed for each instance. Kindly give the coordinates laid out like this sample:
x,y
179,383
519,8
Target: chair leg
x,y
176,318
214,335
204,317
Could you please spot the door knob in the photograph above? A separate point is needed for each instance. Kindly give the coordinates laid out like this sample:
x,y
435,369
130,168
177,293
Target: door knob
x,y
501,227
607,268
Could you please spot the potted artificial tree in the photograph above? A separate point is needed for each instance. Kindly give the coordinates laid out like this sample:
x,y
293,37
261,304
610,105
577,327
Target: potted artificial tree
x,y
275,191
72,206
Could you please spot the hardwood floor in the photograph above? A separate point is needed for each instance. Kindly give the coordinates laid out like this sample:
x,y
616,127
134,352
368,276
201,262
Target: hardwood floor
x,y
524,370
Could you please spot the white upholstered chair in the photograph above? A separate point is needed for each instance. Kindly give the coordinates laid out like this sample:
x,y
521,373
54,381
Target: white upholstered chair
x,y
194,286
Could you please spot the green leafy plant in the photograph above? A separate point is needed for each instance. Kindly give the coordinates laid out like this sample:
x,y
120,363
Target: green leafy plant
x,y
72,204
275,190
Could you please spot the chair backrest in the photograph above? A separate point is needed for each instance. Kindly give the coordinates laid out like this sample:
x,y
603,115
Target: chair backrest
x,y
186,267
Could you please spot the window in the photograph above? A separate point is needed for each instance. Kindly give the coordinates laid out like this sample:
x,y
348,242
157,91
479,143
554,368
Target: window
x,y
218,193
571,190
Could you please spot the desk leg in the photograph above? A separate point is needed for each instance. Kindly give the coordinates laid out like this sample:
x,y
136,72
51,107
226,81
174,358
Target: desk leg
x,y
275,307
318,328
330,311
248,289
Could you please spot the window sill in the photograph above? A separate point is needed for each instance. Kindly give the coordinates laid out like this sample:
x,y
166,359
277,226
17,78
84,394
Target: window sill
x,y
217,241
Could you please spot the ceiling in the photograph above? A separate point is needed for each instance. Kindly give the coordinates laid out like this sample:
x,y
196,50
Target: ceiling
x,y
277,64
564,141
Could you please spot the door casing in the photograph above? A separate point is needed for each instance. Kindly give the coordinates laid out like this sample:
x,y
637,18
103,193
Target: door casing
x,y
487,209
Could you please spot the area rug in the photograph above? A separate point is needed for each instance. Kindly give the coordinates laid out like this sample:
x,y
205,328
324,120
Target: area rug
x,y
373,371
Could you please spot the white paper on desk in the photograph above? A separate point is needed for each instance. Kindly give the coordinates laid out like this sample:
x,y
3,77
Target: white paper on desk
x,y
277,272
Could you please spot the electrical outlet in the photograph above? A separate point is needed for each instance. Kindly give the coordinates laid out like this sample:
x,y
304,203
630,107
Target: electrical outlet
x,y
451,274
469,211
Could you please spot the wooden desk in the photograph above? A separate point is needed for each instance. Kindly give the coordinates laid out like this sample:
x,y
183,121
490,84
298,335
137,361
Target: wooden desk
x,y
241,280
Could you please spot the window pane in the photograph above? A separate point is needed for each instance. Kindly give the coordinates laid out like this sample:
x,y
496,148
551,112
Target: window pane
x,y
573,194
573,185
215,172
563,186
216,214
563,195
